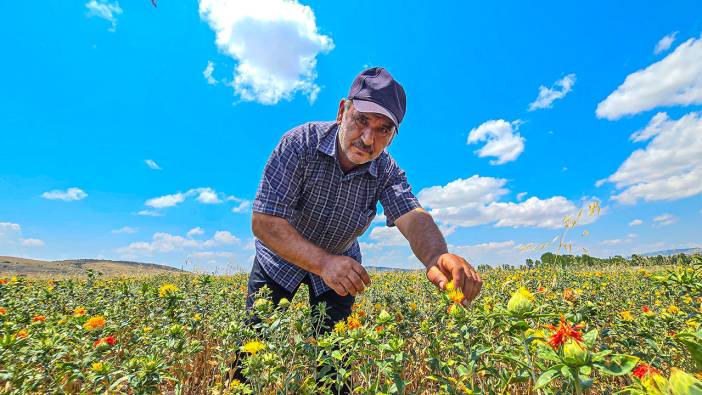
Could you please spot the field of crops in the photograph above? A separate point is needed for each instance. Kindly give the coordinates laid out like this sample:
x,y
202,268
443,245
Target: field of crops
x,y
545,330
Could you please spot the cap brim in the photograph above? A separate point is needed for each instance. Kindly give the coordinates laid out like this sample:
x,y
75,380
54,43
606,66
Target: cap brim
x,y
369,106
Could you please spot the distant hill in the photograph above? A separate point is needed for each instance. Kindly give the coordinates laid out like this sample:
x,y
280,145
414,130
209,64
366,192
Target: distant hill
x,y
686,251
386,269
75,267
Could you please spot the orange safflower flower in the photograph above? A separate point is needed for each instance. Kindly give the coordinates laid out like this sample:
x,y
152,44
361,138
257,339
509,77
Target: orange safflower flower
x,y
22,334
643,370
95,322
109,340
3,311
353,322
3,281
569,295
563,332
39,318
456,295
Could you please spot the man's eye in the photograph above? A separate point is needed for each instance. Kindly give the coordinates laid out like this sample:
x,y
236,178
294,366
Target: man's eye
x,y
361,120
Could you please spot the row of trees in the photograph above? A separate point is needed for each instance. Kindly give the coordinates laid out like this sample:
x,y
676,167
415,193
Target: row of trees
x,y
634,260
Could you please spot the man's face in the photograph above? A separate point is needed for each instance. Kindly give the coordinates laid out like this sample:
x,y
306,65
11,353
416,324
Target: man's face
x,y
362,135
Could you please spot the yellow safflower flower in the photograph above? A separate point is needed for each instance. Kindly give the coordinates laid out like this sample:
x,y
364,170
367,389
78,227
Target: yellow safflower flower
x,y
626,316
167,290
672,309
79,311
252,347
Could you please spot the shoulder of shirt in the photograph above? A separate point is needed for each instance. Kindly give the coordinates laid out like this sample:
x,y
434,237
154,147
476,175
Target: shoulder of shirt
x,y
306,137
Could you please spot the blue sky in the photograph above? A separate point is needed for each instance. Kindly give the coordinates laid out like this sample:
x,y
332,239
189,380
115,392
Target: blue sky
x,y
134,132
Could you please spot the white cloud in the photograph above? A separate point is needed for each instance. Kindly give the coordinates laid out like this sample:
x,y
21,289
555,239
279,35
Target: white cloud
x,y
502,140
665,220
106,10
275,43
557,91
32,243
149,213
668,168
204,195
474,201
207,73
674,80
482,248
126,229
68,195
613,242
11,234
387,236
665,43
166,200
165,243
152,164
195,232
636,222
8,229
213,254
521,195
242,207
380,218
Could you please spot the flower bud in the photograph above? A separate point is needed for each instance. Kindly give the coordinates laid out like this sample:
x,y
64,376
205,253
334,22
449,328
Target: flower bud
x,y
575,354
520,302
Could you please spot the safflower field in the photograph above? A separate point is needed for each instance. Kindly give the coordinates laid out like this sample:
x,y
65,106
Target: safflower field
x,y
543,330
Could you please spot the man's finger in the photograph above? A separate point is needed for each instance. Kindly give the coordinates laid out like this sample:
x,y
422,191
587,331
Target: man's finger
x,y
348,285
339,289
437,277
362,273
473,284
356,281
458,276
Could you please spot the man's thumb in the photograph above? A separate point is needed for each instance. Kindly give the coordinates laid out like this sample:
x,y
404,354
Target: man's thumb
x,y
437,277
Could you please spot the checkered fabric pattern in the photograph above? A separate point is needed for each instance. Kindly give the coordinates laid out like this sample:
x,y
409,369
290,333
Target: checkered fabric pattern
x,y
303,183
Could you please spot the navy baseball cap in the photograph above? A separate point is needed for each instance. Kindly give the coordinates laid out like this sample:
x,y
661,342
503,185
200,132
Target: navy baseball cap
x,y
374,90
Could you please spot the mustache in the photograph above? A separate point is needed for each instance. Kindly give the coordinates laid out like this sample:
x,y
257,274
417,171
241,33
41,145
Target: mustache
x,y
359,144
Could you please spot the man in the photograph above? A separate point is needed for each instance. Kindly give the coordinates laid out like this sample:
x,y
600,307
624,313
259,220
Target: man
x,y
319,192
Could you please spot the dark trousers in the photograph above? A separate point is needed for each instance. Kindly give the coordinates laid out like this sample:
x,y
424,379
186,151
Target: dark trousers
x,y
337,307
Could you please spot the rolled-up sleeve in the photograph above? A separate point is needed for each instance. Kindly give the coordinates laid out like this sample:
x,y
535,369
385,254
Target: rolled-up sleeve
x,y
279,190
397,198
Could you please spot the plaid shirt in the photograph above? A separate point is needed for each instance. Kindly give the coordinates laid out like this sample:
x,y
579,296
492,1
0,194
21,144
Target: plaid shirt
x,y
303,183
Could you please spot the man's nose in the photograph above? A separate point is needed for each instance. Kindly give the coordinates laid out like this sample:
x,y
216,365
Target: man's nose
x,y
367,136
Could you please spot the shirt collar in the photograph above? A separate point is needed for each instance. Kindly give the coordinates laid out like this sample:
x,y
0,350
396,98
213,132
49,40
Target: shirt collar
x,y
327,145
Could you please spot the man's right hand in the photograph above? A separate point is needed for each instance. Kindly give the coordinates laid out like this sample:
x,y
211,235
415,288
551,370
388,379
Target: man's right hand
x,y
344,275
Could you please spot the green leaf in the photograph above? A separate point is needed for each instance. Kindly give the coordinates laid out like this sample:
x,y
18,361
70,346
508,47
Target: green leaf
x,y
682,383
547,376
546,352
618,365
590,337
693,345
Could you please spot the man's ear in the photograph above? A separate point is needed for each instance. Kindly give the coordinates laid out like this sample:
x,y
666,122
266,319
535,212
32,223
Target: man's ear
x,y
340,113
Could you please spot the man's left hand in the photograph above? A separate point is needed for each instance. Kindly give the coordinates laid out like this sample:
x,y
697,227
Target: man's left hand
x,y
452,267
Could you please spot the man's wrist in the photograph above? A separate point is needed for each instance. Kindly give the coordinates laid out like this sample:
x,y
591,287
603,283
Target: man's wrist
x,y
434,260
